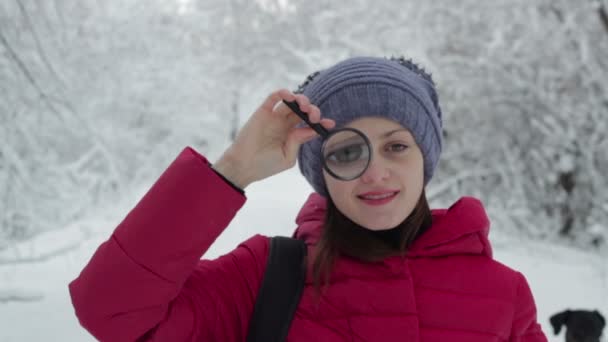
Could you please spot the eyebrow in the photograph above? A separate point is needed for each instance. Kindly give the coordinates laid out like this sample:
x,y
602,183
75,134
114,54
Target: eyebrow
x,y
389,133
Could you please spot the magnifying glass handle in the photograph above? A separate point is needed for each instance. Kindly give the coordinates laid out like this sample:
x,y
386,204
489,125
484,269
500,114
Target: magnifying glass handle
x,y
293,105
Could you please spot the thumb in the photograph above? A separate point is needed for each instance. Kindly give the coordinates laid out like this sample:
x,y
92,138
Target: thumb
x,y
298,137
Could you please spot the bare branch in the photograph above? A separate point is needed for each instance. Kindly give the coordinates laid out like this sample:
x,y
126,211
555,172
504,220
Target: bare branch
x,y
602,11
18,295
26,72
42,257
435,191
39,48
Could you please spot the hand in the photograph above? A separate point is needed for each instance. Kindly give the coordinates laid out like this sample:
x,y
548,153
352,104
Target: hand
x,y
268,142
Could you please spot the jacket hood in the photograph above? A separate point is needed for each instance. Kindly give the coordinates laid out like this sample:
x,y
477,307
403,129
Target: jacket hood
x,y
463,228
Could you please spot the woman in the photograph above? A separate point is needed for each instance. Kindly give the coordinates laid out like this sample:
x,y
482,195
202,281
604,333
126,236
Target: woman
x,y
381,266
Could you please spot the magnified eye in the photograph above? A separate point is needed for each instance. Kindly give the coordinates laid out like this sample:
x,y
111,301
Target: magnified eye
x,y
347,154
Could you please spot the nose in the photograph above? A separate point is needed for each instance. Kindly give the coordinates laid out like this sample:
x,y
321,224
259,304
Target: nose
x,y
376,171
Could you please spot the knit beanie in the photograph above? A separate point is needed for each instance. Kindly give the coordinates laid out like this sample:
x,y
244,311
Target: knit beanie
x,y
360,87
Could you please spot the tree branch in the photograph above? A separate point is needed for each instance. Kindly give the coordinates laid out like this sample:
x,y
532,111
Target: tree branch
x,y
435,191
602,11
42,257
39,48
26,72
17,295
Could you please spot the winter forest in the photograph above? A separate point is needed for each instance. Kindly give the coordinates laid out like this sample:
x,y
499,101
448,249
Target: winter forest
x,y
98,97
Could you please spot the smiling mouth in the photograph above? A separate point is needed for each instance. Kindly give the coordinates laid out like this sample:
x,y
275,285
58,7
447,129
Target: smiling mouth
x,y
378,199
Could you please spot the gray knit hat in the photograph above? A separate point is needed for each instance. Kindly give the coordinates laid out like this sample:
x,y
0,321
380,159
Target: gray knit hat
x,y
359,87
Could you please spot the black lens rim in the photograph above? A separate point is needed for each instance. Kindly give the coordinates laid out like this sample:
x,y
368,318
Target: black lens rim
x,y
326,139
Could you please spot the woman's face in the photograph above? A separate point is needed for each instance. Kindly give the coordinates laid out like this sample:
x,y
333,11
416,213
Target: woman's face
x,y
396,170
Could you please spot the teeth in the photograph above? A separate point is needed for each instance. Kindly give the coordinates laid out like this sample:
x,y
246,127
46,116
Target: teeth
x,y
375,197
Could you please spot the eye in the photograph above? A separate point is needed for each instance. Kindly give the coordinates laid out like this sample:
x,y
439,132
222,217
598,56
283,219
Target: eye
x,y
347,154
397,147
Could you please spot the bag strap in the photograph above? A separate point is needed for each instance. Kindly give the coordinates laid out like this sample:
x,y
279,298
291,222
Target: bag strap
x,y
280,291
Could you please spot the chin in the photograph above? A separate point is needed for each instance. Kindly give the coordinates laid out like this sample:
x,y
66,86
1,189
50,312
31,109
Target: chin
x,y
379,225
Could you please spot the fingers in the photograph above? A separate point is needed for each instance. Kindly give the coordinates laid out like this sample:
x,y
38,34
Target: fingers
x,y
301,100
299,136
328,123
274,103
296,138
314,115
273,99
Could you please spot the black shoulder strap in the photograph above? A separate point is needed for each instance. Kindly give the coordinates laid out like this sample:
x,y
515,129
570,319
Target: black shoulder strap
x,y
280,291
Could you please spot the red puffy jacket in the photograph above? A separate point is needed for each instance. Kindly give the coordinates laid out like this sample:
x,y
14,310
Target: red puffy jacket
x,y
147,282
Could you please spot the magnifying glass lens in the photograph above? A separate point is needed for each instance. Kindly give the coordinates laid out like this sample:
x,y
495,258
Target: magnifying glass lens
x,y
346,154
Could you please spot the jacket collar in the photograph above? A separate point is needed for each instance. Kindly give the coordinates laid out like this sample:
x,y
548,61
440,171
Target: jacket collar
x,y
463,228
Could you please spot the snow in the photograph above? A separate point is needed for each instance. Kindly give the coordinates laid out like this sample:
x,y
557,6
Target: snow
x,y
560,277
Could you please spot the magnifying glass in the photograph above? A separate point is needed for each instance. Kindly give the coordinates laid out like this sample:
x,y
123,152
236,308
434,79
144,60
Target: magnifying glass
x,y
346,151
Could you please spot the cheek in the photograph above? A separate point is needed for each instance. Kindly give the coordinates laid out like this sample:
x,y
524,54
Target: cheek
x,y
335,187
411,177
415,178
339,191
414,175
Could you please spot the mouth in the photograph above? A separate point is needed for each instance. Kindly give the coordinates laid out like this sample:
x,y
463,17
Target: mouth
x,y
378,198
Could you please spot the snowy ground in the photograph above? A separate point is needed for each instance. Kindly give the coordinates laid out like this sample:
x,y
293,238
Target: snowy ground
x,y
560,277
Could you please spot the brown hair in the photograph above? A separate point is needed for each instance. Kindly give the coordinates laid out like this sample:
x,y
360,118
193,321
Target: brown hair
x,y
342,236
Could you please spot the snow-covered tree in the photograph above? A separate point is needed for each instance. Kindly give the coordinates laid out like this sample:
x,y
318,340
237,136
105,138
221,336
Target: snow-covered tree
x,y
97,97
